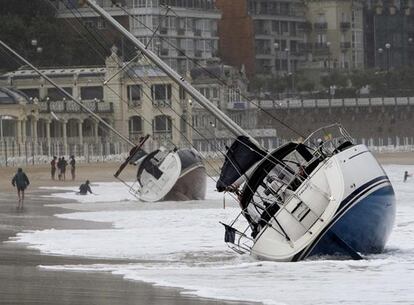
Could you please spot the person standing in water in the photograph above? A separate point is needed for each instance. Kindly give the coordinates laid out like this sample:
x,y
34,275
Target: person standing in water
x,y
406,175
20,181
72,166
85,188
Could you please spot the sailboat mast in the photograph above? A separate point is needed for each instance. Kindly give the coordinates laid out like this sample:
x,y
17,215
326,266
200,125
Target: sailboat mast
x,y
194,93
66,94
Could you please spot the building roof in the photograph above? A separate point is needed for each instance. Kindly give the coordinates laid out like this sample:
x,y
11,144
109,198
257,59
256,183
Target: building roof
x,y
24,72
12,96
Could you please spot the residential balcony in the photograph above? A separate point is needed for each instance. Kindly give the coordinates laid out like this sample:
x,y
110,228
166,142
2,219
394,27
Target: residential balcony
x,y
305,26
161,103
135,103
306,46
72,107
320,26
345,45
345,25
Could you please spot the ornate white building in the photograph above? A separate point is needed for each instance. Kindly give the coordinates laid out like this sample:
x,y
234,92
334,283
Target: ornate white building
x,y
137,100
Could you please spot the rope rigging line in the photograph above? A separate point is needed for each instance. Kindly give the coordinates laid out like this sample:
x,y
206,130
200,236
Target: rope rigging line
x,y
126,102
207,71
131,78
263,155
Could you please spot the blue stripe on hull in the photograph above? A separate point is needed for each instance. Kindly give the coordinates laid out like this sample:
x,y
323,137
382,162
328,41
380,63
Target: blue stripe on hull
x,y
365,227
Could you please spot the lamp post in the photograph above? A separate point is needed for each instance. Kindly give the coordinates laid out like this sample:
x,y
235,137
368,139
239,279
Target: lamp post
x,y
275,48
380,51
328,44
388,47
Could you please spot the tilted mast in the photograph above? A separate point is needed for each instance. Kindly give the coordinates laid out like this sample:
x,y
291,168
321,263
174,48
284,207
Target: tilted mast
x,y
194,93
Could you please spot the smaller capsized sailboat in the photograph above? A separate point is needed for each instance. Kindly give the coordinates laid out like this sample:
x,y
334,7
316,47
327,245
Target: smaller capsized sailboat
x,y
168,175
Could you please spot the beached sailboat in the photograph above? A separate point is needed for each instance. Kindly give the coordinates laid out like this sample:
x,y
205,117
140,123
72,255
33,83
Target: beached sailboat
x,y
321,196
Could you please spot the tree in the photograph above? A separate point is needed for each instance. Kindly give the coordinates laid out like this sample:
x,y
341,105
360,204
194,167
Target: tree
x,y
63,44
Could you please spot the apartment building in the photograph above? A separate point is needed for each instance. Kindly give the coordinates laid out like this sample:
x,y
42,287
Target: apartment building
x,y
335,35
269,34
185,30
389,34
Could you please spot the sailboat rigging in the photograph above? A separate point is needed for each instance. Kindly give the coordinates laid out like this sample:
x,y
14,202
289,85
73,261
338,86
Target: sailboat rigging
x,y
325,195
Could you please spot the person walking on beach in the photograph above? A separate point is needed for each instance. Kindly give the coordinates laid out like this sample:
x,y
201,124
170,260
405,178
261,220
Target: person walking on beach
x,y
85,188
20,181
53,165
72,166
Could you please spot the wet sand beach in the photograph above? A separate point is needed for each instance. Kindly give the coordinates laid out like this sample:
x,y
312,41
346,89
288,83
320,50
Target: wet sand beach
x,y
23,282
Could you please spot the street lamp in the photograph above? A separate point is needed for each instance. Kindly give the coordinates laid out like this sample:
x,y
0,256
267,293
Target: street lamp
x,y
380,51
328,44
275,48
388,47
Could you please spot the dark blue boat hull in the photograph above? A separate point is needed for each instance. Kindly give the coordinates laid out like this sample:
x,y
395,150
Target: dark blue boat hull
x,y
364,227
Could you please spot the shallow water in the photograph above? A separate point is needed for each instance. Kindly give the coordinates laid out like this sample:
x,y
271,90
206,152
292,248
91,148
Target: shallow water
x,y
181,245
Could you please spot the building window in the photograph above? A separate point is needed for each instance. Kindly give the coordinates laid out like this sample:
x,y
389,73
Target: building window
x,y
162,123
31,93
161,92
55,94
134,93
135,125
91,93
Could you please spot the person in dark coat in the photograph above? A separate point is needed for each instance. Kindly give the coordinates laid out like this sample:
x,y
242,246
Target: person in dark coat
x,y
59,168
85,188
406,175
72,167
20,181
53,165
63,168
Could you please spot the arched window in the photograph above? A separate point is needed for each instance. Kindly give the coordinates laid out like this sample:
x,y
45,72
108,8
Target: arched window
x,y
135,125
162,123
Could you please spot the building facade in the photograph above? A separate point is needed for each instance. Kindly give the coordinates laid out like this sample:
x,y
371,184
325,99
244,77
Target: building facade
x,y
269,35
335,39
139,100
185,31
389,34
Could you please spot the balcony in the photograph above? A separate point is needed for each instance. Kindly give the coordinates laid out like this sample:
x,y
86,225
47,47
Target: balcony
x,y
161,103
321,46
72,107
305,46
135,103
320,26
305,26
345,25
345,45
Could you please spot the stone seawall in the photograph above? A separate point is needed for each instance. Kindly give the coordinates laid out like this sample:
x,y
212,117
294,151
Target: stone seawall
x,y
362,122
